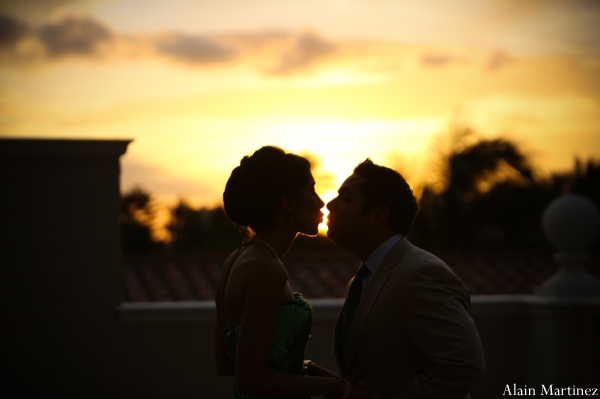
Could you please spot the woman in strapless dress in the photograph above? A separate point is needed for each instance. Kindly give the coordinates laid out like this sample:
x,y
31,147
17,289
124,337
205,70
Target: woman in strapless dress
x,y
262,325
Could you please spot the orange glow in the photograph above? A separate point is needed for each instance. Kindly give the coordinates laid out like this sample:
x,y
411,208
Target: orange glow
x,y
197,97
326,197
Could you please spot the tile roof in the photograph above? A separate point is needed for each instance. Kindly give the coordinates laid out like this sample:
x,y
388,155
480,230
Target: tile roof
x,y
190,277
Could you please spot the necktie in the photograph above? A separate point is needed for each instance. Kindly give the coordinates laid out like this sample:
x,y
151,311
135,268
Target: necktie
x,y
352,301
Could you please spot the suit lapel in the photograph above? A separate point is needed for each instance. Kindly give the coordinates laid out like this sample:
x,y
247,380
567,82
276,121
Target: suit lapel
x,y
370,296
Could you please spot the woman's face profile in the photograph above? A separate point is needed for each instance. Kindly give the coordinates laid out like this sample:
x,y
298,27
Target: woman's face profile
x,y
307,209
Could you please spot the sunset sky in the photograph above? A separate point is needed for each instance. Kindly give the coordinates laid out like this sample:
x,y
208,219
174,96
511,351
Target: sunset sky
x,y
197,84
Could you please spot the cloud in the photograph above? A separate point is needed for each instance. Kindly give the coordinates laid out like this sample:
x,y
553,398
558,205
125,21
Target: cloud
x,y
278,53
494,61
11,31
437,60
74,36
306,50
24,45
84,37
498,60
193,49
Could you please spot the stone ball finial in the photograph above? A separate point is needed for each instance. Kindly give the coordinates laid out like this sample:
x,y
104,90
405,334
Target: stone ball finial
x,y
571,222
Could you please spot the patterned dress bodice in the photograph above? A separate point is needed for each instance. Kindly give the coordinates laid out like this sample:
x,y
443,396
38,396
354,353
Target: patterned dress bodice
x,y
292,329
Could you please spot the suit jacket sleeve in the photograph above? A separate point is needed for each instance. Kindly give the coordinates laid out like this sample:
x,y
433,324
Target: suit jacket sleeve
x,y
438,322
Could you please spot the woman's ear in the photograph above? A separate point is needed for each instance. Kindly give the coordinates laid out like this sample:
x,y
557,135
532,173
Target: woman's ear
x,y
285,203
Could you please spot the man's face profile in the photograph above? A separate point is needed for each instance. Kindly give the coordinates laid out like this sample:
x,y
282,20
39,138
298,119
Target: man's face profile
x,y
346,221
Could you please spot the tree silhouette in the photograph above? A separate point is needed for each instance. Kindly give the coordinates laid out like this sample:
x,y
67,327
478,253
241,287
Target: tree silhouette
x,y
137,215
491,199
488,198
202,229
585,180
449,218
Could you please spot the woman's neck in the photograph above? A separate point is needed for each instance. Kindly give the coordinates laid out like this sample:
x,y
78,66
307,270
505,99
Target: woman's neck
x,y
279,239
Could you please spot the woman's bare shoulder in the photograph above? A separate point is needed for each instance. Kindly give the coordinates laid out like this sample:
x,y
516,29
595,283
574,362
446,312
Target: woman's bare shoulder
x,y
255,267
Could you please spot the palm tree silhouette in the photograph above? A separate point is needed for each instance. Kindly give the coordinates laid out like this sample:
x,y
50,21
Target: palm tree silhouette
x,y
448,219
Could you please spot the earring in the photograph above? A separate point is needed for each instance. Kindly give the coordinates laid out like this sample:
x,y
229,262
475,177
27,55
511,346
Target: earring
x,y
292,218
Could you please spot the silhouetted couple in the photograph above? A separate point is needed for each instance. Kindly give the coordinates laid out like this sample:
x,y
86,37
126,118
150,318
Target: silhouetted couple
x,y
405,330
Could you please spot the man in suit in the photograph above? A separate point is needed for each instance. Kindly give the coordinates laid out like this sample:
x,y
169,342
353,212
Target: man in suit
x,y
405,329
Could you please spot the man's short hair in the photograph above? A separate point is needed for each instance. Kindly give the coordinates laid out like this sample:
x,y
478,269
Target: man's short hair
x,y
385,187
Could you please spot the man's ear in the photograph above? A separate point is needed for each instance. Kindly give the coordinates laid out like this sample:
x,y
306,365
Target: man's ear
x,y
379,215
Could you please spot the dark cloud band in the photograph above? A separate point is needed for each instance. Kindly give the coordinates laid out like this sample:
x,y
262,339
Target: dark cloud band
x,y
194,49
74,36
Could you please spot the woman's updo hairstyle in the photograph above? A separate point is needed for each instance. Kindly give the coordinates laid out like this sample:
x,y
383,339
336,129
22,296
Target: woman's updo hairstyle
x,y
255,187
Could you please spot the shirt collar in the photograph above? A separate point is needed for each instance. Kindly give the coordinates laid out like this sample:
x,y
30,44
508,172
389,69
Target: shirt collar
x,y
374,260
